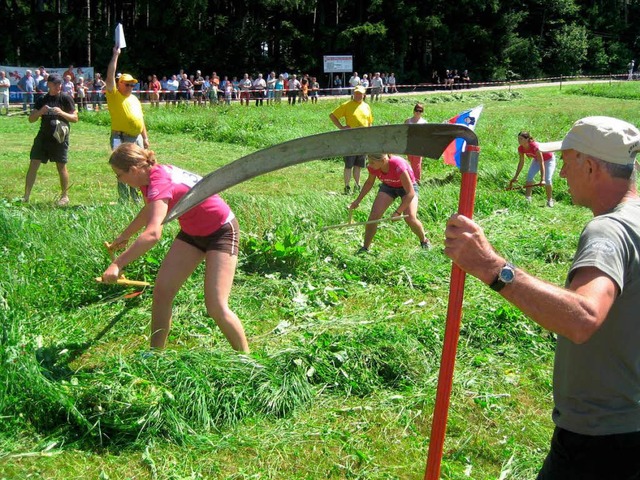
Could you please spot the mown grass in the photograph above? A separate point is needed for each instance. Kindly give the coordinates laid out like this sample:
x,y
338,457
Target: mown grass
x,y
345,349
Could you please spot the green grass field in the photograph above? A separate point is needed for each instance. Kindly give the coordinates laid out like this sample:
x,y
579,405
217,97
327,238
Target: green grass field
x,y
342,376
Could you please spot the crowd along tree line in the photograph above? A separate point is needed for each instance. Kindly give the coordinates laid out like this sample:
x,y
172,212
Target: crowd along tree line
x,y
493,39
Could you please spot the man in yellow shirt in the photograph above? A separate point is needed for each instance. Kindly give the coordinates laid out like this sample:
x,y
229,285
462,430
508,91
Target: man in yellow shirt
x,y
356,113
127,119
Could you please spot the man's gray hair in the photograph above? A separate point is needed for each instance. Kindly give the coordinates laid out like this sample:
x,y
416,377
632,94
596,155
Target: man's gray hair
x,y
626,172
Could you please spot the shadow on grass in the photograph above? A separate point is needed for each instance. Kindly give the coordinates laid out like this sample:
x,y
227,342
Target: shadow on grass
x,y
55,359
451,177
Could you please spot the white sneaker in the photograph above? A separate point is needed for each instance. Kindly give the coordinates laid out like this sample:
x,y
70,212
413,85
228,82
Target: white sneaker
x,y
63,202
528,199
550,203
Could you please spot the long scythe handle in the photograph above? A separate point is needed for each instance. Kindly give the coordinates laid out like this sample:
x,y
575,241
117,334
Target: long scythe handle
x,y
518,187
368,222
469,168
126,281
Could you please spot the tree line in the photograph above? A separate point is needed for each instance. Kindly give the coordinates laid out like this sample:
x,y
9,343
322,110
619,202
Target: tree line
x,y
493,39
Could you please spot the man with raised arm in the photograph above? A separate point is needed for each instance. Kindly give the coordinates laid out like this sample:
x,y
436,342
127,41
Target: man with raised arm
x,y
127,119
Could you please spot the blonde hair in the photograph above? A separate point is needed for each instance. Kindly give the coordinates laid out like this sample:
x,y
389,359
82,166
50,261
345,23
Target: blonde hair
x,y
128,155
376,156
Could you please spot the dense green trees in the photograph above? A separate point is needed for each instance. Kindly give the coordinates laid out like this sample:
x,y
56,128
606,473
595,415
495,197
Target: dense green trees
x,y
493,39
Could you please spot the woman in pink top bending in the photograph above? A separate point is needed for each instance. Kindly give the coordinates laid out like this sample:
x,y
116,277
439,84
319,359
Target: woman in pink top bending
x,y
208,232
545,163
397,181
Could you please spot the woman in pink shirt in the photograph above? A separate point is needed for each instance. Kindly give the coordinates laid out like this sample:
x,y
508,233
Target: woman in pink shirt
x,y
208,232
398,180
545,163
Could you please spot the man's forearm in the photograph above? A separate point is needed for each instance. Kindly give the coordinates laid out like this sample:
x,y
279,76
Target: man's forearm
x,y
111,71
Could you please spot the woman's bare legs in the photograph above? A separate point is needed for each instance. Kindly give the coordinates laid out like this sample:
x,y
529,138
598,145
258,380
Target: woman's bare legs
x,y
180,262
380,205
412,220
220,270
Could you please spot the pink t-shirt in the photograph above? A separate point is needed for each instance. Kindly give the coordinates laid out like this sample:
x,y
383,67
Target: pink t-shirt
x,y
397,165
167,182
533,150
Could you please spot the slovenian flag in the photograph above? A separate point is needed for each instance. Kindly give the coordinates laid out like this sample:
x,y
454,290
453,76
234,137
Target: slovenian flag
x,y
454,150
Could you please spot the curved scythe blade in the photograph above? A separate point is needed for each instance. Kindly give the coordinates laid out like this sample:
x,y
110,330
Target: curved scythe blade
x,y
427,140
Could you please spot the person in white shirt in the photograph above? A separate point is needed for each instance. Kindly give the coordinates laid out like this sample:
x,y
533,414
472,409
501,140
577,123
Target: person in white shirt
x,y
5,85
354,81
292,89
245,89
271,87
391,81
259,86
172,87
376,86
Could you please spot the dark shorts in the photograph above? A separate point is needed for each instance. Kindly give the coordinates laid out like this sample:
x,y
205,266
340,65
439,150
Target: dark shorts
x,y
584,457
354,161
47,150
394,192
225,239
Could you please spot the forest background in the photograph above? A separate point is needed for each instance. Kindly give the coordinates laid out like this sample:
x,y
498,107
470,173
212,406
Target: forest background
x,y
494,40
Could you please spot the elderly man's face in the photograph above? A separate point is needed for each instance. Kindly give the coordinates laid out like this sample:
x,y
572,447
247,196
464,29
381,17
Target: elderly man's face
x,y
574,171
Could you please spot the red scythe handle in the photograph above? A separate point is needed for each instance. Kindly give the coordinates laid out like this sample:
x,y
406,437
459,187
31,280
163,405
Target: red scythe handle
x,y
452,331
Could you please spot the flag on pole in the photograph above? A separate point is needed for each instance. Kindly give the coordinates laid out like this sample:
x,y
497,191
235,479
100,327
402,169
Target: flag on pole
x,y
454,150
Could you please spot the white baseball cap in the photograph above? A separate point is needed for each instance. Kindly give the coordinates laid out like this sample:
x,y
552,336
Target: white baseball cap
x,y
605,138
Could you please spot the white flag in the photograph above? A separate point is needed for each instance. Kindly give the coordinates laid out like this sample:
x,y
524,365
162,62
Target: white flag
x,y
120,41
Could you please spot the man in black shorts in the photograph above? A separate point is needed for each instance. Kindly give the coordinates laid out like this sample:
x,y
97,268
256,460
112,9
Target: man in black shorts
x,y
55,111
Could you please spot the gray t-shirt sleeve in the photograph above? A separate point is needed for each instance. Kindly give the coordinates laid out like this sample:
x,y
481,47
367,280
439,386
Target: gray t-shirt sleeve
x,y
602,246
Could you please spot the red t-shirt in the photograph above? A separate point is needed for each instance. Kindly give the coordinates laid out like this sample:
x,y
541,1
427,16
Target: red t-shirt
x,y
532,151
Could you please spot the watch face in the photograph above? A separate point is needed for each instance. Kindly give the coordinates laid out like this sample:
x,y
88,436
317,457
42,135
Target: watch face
x,y
507,275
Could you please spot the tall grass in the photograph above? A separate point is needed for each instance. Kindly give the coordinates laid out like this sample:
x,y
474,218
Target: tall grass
x,y
346,348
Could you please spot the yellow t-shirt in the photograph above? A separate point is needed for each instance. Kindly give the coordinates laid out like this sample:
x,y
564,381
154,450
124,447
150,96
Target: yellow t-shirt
x,y
355,114
126,113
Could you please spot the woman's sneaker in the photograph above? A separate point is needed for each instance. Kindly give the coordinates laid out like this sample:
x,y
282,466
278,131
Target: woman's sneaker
x,y
550,203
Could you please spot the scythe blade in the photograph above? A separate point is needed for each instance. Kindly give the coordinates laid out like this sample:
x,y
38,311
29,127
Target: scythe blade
x,y
427,140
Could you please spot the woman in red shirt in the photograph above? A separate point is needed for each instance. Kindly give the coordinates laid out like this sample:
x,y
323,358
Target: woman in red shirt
x,y
543,162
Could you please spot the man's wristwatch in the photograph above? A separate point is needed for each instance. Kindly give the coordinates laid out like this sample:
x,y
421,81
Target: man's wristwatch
x,y
506,275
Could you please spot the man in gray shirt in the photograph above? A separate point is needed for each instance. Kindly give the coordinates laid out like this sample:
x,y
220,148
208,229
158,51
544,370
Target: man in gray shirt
x,y
596,379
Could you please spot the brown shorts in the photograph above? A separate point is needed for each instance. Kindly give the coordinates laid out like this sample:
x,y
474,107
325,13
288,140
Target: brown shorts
x,y
225,239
